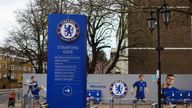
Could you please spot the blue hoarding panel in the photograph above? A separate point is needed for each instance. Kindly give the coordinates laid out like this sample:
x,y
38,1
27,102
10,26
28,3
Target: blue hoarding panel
x,y
180,96
95,95
66,77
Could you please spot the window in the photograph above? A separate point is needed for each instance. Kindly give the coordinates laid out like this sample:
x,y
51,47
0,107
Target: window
x,y
19,68
12,67
12,59
12,76
19,77
4,75
5,66
9,59
29,69
24,68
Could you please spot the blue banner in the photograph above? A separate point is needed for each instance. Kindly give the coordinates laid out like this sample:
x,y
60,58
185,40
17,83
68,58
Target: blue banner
x,y
66,77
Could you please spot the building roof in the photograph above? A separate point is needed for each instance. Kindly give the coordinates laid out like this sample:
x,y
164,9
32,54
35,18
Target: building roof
x,y
11,52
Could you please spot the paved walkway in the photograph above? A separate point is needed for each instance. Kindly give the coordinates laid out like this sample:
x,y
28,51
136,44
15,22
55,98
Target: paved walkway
x,y
17,105
5,105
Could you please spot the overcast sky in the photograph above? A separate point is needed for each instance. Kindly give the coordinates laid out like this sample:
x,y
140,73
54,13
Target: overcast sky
x,y
7,18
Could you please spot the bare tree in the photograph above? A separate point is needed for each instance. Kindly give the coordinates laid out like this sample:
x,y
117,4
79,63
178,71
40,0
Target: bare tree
x,y
106,19
99,27
30,36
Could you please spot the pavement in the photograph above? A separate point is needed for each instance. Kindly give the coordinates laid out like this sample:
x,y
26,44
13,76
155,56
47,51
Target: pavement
x,y
5,104
18,104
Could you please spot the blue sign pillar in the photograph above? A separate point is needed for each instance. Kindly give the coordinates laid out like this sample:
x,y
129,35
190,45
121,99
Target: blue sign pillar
x,y
66,77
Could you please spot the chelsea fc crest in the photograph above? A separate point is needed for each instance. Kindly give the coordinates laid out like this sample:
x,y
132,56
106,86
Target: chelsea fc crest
x,y
68,30
118,89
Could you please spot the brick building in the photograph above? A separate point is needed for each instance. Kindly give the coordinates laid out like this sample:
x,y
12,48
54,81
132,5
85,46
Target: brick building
x,y
176,39
12,66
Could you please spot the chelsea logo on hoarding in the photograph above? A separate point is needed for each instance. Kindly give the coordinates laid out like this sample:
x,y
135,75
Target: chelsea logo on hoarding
x,y
68,30
118,89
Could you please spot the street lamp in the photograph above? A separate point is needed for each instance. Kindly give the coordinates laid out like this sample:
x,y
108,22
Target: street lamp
x,y
152,23
8,69
9,77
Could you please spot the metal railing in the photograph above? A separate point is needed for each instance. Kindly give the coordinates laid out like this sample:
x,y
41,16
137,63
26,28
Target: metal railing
x,y
22,101
132,103
30,101
3,97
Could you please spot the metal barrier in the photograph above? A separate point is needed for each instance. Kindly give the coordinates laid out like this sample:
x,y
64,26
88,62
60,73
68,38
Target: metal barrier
x,y
132,103
3,97
90,103
154,105
6,100
186,103
121,103
29,101
22,101
43,105
19,94
112,103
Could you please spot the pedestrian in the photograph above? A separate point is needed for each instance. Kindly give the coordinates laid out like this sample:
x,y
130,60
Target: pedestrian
x,y
12,99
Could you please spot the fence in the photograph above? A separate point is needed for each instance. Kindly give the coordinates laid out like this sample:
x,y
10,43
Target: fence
x,y
21,101
28,101
3,97
132,103
31,101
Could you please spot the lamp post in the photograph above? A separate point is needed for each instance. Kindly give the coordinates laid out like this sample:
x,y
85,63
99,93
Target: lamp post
x,y
8,69
9,78
152,23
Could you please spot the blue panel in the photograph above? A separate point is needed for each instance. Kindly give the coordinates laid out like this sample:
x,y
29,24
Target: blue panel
x,y
181,96
189,95
95,94
66,78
